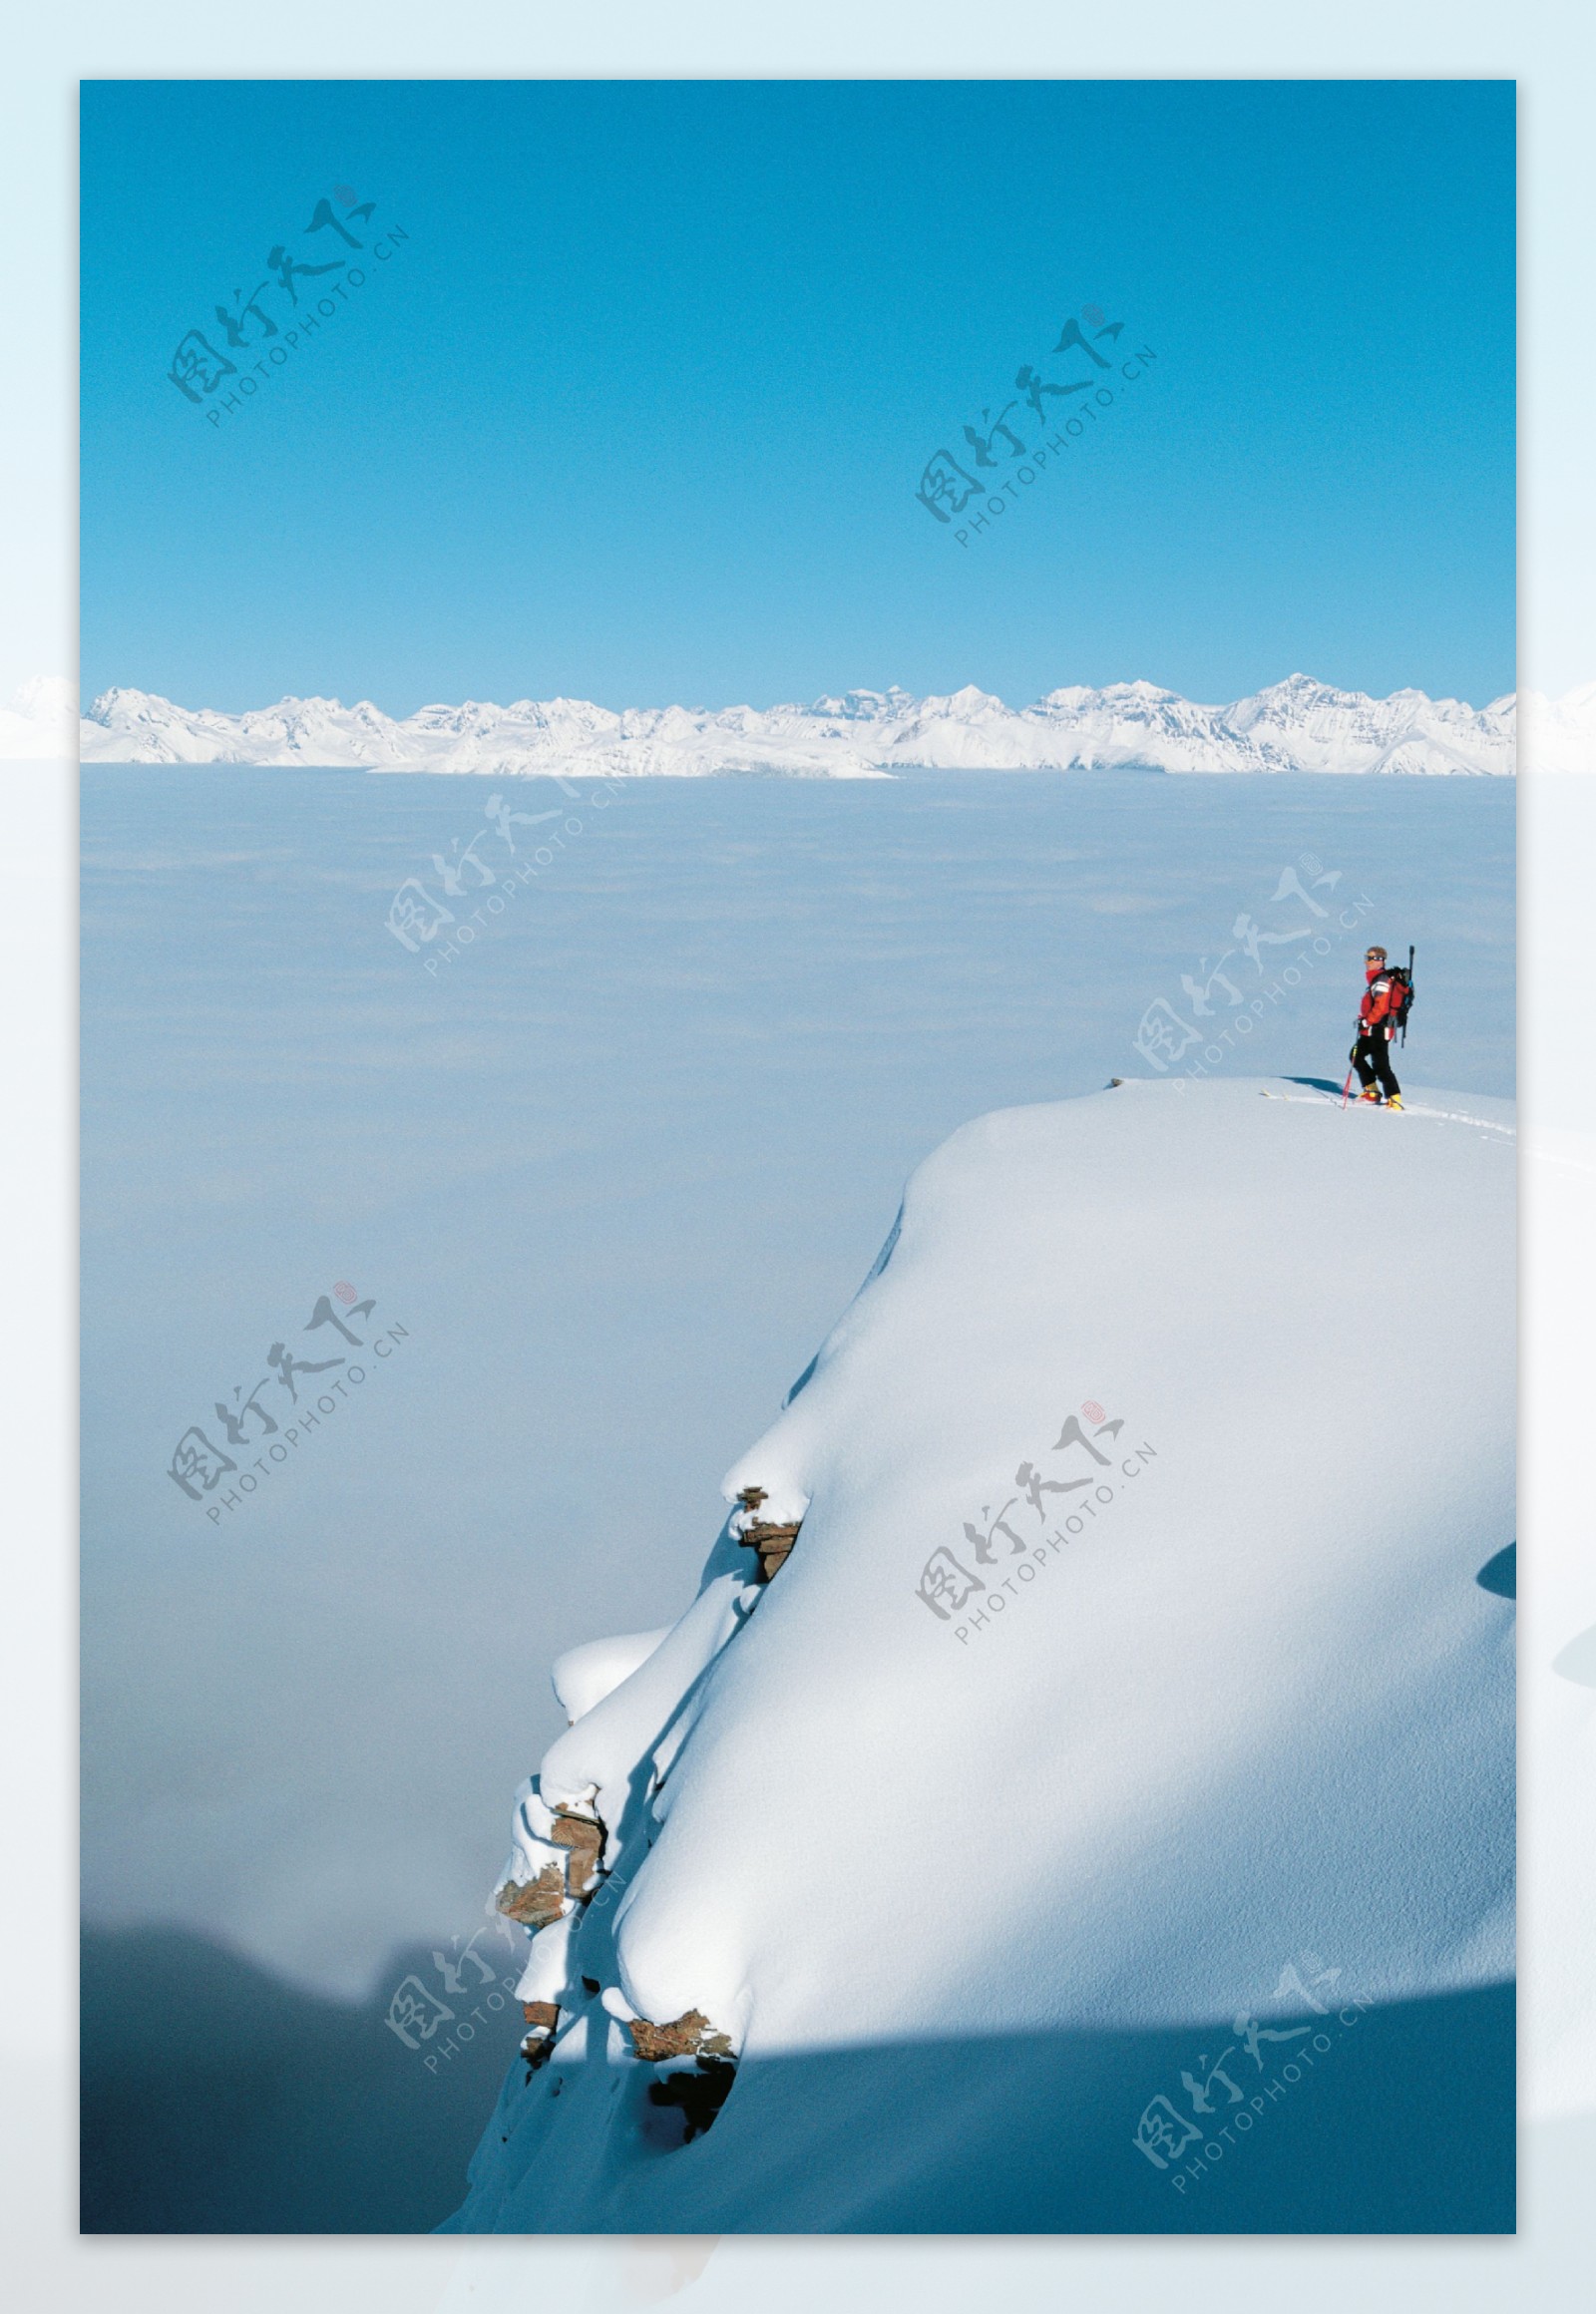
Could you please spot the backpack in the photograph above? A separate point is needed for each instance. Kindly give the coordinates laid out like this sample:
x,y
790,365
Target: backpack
x,y
1401,1001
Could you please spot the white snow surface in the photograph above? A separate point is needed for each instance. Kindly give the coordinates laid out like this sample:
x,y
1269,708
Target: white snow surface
x,y
1238,1697
584,1676
1295,725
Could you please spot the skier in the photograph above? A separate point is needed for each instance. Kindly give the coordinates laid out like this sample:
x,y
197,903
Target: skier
x,y
1383,1007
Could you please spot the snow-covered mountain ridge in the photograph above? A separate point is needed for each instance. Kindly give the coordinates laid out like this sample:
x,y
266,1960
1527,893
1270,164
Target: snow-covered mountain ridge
x,y
1292,726
1085,1697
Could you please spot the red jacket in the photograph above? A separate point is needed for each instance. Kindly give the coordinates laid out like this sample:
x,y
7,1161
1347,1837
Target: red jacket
x,y
1380,1000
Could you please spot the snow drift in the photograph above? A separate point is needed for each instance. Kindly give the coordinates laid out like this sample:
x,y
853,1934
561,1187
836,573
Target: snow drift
x,y
1295,725
1127,1719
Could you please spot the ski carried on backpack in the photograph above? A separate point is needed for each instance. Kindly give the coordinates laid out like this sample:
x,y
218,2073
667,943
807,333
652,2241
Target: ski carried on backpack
x,y
1402,977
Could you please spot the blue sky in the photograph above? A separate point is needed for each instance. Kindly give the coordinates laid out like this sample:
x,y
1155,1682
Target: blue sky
x,y
639,409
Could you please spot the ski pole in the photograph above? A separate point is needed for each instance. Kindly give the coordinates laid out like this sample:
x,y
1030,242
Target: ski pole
x,y
1410,989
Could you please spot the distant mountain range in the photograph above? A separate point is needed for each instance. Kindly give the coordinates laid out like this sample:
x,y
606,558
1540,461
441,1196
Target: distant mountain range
x,y
1296,725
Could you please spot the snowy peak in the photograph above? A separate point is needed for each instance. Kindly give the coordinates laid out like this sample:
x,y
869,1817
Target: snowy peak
x,y
1295,725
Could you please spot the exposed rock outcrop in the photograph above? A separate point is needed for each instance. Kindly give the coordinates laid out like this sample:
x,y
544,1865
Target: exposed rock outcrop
x,y
536,1902
543,2021
583,1836
772,1541
690,2035
555,1861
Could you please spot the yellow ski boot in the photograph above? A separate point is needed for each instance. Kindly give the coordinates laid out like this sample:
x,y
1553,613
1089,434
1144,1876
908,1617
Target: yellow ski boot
x,y
1371,1093
1395,1102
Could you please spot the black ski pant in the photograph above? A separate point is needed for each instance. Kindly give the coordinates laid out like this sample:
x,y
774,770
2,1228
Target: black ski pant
x,y
1371,1059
